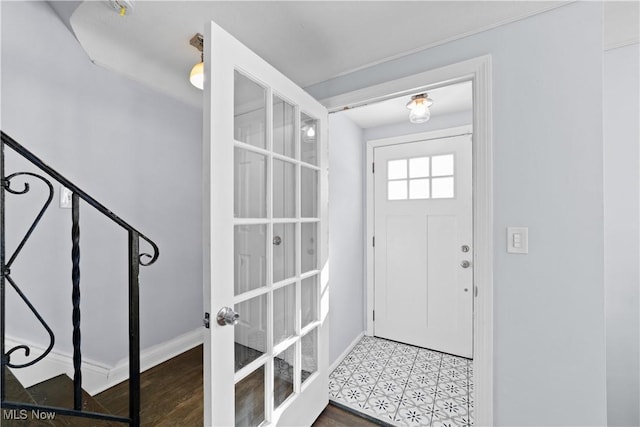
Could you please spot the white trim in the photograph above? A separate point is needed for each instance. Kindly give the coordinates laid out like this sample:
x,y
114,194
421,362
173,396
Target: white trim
x,y
483,241
153,356
96,376
421,136
479,71
344,354
424,81
54,364
621,43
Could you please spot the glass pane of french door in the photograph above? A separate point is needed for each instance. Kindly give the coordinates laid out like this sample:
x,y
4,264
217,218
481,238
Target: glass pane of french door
x,y
276,272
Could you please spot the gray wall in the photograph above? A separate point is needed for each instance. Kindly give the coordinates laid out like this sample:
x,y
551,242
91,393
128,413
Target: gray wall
x,y
621,215
136,151
549,326
346,228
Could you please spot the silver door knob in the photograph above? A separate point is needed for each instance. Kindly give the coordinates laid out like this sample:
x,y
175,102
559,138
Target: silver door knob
x,y
226,316
465,264
277,240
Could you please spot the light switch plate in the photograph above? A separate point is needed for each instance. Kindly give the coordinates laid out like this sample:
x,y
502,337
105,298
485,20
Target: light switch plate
x,y
518,240
65,198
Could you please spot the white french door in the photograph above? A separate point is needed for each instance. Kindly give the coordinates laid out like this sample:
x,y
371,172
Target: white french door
x,y
265,243
423,225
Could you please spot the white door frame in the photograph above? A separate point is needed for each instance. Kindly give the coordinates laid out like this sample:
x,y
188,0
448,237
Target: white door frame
x,y
477,70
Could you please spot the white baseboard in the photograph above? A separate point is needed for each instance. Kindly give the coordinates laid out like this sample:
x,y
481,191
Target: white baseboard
x,y
54,364
96,377
336,362
153,356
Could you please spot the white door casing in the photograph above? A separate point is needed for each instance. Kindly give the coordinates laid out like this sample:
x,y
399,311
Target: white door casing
x,y
265,239
423,275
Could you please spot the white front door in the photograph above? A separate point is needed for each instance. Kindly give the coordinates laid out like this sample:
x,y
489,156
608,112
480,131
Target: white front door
x,y
265,243
423,244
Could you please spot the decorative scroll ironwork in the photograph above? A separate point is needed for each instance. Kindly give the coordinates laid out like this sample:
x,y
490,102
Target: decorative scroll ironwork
x,y
6,269
25,348
25,190
10,142
152,258
136,259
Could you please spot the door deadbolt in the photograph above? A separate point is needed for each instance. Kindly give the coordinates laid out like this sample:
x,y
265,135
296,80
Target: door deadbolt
x,y
465,248
277,240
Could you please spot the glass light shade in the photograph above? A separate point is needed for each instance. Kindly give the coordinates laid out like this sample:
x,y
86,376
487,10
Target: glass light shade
x,y
196,77
419,106
420,113
311,132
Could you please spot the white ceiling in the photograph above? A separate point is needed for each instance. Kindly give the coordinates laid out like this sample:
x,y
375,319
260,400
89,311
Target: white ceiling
x,y
456,98
309,41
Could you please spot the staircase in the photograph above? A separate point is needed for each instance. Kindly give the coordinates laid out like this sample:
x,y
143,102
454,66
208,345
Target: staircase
x,y
61,401
56,392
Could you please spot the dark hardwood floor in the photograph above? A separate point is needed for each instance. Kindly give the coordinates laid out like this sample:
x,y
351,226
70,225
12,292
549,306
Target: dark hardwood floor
x,y
172,395
332,416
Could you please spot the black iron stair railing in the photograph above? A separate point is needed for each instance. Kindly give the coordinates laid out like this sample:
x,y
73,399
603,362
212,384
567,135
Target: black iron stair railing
x,y
135,260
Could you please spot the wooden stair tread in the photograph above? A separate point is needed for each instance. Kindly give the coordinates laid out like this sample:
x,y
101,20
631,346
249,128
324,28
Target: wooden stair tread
x,y
58,392
15,392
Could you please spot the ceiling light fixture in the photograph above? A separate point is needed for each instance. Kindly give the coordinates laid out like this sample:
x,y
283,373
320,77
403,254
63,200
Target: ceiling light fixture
x,y
419,106
196,77
310,131
123,7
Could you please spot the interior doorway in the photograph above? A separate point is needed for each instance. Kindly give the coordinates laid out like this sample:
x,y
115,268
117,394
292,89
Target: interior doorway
x,y
420,210
475,72
419,196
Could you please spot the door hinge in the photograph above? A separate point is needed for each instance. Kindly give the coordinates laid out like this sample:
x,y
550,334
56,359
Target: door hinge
x,y
475,291
205,321
373,168
374,315
374,241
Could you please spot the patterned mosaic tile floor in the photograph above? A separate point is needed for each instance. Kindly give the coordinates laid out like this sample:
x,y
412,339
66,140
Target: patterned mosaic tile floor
x,y
402,385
